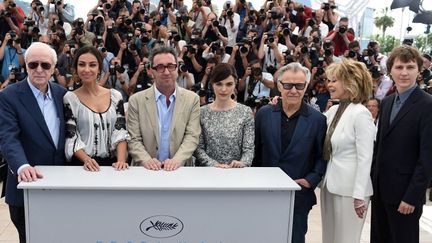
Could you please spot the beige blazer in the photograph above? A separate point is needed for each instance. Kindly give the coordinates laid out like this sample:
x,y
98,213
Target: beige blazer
x,y
143,126
348,171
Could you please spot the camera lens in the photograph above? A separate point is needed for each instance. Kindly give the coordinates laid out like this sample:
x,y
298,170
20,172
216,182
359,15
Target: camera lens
x,y
244,49
271,39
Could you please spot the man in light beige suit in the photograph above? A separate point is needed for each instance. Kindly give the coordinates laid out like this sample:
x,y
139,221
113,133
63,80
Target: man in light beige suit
x,y
163,120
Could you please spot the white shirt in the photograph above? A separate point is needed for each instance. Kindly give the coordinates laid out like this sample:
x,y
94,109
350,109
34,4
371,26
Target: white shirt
x,y
232,32
260,89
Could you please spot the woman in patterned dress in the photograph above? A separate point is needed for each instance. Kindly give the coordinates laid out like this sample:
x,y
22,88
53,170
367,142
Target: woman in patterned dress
x,y
227,127
96,132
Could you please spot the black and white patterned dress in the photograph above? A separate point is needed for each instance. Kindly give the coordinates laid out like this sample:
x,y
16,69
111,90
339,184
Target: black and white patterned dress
x,y
226,136
96,133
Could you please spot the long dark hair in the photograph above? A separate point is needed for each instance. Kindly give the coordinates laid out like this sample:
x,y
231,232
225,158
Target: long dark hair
x,y
88,49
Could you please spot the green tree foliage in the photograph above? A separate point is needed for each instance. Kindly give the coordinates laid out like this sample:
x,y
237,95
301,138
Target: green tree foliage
x,y
384,21
421,44
387,43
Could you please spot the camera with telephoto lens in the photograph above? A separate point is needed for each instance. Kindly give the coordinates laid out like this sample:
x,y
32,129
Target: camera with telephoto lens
x,y
342,29
271,69
352,54
182,67
215,24
304,50
56,2
230,13
370,52
270,38
102,49
116,68
190,49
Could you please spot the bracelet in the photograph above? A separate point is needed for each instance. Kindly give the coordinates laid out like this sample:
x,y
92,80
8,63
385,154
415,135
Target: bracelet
x,y
19,53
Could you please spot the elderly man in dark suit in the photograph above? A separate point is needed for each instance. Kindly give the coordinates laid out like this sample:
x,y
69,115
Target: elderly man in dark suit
x,y
402,166
291,135
32,127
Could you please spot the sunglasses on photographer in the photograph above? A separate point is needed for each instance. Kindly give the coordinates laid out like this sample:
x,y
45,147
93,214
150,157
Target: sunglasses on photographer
x,y
289,86
44,65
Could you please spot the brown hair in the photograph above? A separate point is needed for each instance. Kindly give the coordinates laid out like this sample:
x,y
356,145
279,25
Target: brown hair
x,y
355,78
404,54
222,71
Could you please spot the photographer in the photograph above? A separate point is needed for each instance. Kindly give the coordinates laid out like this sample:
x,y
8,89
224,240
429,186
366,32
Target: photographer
x,y
271,51
192,54
198,14
11,79
118,5
316,22
11,17
317,88
340,37
80,35
37,14
204,89
140,80
182,23
231,21
66,12
214,31
118,78
216,50
185,79
148,7
285,35
381,82
353,52
330,17
256,84
374,57
11,53
243,8
241,54
29,34
426,73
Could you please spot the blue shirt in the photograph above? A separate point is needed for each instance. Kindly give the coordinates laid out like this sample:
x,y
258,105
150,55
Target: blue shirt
x,y
49,112
10,59
165,114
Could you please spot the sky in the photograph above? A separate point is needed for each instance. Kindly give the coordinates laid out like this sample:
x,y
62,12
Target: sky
x,y
402,19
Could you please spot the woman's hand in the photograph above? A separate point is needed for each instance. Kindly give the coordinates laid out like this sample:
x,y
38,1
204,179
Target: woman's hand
x,y
236,164
360,207
91,165
120,165
223,166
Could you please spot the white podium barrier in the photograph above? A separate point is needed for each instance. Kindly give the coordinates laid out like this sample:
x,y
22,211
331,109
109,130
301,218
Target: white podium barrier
x,y
190,205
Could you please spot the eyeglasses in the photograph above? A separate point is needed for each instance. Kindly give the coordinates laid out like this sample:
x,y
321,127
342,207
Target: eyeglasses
x,y
289,86
148,31
161,68
44,65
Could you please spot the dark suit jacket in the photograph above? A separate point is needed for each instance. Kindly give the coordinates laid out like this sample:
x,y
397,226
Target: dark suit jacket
x,y
402,166
24,135
302,158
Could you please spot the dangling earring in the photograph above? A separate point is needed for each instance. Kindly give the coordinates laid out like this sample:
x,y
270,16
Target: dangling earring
x,y
98,77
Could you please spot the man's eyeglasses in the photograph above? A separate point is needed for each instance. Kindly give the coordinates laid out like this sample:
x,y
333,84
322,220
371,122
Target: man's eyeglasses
x,y
44,65
148,31
289,86
161,68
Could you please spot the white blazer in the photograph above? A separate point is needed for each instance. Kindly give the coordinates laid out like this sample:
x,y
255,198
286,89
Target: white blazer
x,y
348,171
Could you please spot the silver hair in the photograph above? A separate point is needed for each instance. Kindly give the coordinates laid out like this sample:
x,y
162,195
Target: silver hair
x,y
41,46
295,67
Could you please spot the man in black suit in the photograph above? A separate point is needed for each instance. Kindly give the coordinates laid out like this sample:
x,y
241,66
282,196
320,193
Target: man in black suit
x,y
32,130
402,166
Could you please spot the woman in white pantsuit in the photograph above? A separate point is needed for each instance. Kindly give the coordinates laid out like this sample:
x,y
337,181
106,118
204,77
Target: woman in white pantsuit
x,y
348,148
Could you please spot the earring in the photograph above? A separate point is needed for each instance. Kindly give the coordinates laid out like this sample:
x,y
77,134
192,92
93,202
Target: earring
x,y
98,77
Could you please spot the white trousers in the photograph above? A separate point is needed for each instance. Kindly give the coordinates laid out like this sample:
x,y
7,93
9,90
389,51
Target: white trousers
x,y
340,223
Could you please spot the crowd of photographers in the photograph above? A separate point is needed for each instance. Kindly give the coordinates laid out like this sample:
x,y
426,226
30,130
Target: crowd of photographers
x,y
258,40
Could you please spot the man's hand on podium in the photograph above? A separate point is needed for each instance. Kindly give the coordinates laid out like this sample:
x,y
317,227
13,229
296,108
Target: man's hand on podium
x,y
29,174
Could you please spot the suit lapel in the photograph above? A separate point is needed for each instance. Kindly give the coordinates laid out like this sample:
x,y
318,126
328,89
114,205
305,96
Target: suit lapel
x,y
276,125
31,105
150,105
386,111
412,99
299,131
178,107
58,100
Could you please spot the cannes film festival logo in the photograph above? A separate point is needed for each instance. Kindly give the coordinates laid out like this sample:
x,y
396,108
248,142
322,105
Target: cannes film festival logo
x,y
161,226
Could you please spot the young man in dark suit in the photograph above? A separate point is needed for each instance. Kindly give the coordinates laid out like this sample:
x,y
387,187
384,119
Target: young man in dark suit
x,y
32,127
402,166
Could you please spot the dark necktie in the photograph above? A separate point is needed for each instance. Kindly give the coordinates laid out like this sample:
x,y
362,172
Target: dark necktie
x,y
395,109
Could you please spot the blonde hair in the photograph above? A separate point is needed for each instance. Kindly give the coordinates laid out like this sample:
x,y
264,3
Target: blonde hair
x,y
355,78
